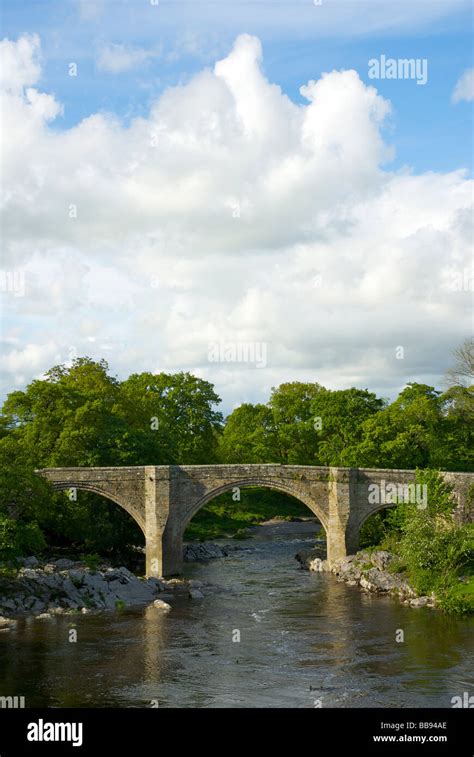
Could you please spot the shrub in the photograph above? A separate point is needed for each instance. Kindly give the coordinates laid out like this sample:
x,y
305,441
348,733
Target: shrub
x,y
19,538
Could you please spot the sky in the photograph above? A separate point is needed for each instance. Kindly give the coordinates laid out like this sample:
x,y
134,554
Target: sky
x,y
256,192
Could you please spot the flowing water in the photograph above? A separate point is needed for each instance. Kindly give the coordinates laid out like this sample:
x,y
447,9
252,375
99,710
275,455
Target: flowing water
x,y
305,641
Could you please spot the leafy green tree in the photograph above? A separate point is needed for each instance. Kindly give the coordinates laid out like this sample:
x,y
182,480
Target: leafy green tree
x,y
82,416
170,419
456,441
291,407
341,415
23,498
249,436
406,434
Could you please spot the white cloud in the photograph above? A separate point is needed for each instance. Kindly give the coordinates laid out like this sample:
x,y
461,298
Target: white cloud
x,y
230,213
20,65
464,89
116,58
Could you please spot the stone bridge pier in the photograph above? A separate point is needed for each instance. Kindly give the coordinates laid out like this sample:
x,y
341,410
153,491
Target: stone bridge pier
x,y
163,499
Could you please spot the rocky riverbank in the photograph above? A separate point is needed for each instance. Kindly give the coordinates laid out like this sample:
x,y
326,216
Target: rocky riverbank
x,y
66,587
369,570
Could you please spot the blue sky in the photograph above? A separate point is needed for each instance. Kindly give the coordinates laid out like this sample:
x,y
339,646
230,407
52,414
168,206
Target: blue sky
x,y
228,191
428,131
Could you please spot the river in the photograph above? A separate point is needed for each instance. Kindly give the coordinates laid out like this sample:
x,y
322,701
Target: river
x,y
305,641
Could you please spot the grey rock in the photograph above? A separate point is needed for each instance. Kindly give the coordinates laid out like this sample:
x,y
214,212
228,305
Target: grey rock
x,y
379,581
195,594
29,573
30,562
159,585
135,592
77,577
307,556
381,559
93,582
194,552
64,564
419,602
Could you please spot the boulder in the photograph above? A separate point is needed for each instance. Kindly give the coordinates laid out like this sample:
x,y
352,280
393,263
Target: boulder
x,y
7,622
419,602
29,573
30,562
158,603
195,594
307,556
379,581
381,559
194,552
159,585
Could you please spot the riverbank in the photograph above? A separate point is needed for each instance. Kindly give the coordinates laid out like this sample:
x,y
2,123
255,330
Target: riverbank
x,y
66,587
304,636
372,571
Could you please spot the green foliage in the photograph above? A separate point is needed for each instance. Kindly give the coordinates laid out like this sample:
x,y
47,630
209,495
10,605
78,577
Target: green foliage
x,y
249,436
19,538
342,416
373,531
91,561
435,553
458,598
225,517
82,416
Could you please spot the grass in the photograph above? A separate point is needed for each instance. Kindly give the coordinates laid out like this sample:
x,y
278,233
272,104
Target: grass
x,y
222,517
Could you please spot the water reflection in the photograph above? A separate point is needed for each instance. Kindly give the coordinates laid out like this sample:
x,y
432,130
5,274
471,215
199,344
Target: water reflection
x,y
303,637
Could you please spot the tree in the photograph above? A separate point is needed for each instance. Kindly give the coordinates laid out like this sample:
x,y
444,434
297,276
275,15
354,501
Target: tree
x,y
170,419
408,433
462,372
291,407
249,436
341,415
24,497
82,416
456,442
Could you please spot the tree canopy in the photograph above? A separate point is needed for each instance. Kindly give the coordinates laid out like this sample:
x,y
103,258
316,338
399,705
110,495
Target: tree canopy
x,y
80,415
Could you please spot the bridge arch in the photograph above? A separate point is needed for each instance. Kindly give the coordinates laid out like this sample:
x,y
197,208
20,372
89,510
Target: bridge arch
x,y
95,489
261,483
377,509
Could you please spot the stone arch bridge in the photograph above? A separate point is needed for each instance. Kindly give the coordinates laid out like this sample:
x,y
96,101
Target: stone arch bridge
x,y
162,499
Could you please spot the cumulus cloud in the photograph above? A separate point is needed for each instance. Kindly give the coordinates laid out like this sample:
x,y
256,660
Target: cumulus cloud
x,y
232,214
20,65
116,58
464,89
